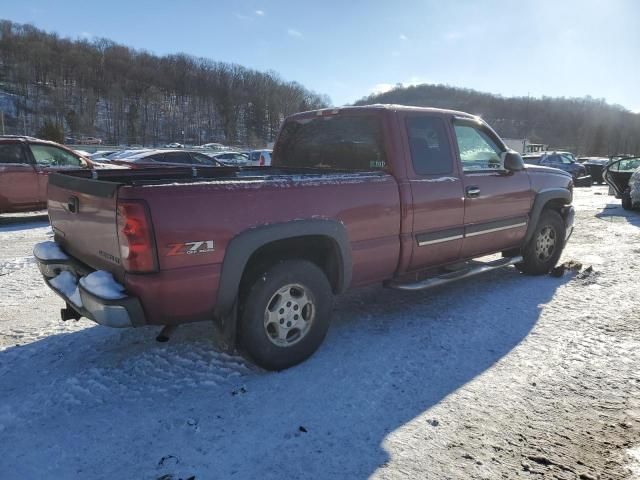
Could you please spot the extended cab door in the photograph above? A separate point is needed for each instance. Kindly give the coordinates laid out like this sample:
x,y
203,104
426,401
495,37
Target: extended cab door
x,y
18,179
436,189
496,202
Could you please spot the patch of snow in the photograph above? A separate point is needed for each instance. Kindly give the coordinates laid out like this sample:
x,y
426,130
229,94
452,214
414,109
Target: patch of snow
x,y
634,453
49,251
67,284
103,285
284,181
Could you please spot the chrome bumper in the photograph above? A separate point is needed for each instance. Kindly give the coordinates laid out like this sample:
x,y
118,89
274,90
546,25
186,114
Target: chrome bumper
x,y
122,312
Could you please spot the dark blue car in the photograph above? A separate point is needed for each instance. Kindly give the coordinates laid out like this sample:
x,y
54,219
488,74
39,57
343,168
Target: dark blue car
x,y
564,161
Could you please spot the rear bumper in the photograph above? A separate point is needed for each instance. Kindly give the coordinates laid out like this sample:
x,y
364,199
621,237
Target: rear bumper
x,y
125,311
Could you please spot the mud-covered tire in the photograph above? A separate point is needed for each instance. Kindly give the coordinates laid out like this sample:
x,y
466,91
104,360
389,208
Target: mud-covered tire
x,y
279,338
538,256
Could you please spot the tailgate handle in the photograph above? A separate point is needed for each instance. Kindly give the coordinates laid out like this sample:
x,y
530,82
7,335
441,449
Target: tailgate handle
x,y
72,205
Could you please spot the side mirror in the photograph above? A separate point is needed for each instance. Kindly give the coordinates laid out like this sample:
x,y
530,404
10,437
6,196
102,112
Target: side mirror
x,y
513,161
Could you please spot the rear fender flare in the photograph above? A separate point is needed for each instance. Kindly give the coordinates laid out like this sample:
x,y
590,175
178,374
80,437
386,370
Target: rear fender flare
x,y
243,245
542,199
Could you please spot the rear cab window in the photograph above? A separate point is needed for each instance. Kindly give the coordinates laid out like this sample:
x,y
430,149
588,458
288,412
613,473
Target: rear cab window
x,y
352,142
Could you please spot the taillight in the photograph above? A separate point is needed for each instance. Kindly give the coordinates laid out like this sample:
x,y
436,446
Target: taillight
x,y
261,160
135,235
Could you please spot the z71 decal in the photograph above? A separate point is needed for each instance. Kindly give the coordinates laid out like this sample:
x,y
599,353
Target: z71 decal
x,y
191,248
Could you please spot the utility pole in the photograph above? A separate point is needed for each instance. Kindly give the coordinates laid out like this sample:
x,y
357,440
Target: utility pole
x,y
2,120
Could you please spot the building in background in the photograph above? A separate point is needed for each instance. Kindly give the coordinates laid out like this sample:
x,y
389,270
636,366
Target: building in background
x,y
523,145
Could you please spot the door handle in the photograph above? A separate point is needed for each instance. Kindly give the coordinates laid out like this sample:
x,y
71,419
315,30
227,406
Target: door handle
x,y
472,192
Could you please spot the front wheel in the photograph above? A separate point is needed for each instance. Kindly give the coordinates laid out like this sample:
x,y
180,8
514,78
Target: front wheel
x,y
285,314
542,252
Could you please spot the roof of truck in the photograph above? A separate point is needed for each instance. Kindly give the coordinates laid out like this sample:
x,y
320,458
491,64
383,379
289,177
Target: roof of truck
x,y
383,106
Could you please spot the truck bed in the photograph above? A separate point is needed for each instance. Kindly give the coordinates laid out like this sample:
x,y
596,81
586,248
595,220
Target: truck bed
x,y
214,205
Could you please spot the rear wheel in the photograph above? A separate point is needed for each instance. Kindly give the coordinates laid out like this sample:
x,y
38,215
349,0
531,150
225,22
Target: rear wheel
x,y
542,252
285,314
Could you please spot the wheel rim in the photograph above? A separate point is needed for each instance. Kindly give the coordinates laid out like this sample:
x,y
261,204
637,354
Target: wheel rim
x,y
546,243
289,315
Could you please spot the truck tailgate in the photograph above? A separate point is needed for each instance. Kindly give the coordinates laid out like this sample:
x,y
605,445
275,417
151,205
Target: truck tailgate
x,y
82,212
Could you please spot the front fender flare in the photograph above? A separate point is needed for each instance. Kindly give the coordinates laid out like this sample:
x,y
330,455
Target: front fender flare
x,y
543,197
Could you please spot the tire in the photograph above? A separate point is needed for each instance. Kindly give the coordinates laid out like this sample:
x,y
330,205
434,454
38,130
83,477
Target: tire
x,y
538,256
627,204
285,314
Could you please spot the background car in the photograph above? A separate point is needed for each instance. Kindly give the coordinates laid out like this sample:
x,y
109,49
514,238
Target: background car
x,y
594,166
618,174
235,159
175,157
260,158
90,141
25,163
214,146
564,161
634,189
174,145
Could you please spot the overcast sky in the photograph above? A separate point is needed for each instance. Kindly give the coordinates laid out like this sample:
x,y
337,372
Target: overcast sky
x,y
350,48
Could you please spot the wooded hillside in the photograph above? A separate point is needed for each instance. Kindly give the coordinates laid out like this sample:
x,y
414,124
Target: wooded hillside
x,y
99,88
586,126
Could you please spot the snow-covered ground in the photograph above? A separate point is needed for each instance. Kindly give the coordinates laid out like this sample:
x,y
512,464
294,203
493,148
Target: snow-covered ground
x,y
498,376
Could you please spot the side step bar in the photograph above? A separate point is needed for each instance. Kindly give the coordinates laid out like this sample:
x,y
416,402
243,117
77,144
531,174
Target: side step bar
x,y
472,269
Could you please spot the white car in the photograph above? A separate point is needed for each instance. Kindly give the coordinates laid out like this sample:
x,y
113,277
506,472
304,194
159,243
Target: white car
x,y
235,159
261,158
174,145
214,146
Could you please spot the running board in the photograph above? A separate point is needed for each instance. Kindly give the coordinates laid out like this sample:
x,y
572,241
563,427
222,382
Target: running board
x,y
469,271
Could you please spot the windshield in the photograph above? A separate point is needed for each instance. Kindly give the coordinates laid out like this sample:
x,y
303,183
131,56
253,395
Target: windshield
x,y
339,142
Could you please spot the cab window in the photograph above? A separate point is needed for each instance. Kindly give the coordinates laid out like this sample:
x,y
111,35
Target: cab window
x,y
477,150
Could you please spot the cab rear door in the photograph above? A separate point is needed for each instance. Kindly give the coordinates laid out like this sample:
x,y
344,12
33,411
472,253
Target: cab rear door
x,y
437,204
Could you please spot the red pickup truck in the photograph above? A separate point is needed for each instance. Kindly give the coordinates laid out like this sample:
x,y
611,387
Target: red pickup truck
x,y
354,196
